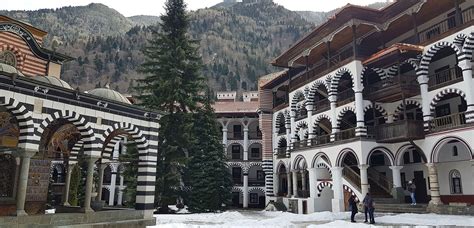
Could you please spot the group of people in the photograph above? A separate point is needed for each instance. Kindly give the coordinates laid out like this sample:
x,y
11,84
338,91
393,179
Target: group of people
x,y
368,203
369,208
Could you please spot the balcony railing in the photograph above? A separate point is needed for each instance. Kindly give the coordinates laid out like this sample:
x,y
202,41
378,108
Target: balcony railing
x,y
391,89
352,176
447,122
256,182
399,131
235,135
345,97
321,106
300,144
345,134
445,25
445,78
321,140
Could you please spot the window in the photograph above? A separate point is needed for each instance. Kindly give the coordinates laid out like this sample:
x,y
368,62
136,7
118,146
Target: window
x,y
8,58
455,151
237,131
260,175
235,151
456,187
255,153
253,198
416,157
236,174
406,158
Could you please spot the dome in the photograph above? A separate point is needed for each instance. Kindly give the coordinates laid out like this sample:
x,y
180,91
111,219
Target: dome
x,y
53,80
109,94
5,68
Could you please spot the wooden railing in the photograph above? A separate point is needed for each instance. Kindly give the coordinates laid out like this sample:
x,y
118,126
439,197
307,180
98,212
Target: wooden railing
x,y
444,78
351,176
381,180
300,144
402,130
447,122
345,134
445,25
321,106
395,81
345,97
320,140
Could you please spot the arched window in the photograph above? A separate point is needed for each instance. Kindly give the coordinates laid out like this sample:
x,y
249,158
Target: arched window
x,y
8,57
455,181
455,151
7,175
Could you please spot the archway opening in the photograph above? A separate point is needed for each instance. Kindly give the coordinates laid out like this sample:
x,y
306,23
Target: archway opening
x,y
449,112
321,101
444,69
373,117
237,175
370,78
414,169
256,198
281,124
380,175
412,112
235,151
236,131
347,125
345,93
351,170
254,130
255,150
256,176
300,111
302,178
282,147
323,131
282,181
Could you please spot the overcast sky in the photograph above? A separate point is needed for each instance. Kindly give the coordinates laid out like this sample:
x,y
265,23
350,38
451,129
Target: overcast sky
x,y
155,7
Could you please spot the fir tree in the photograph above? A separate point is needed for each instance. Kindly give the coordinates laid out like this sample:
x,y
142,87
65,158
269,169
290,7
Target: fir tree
x,y
130,173
209,175
172,84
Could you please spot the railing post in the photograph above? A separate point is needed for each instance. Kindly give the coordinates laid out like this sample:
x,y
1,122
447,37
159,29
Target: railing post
x,y
295,182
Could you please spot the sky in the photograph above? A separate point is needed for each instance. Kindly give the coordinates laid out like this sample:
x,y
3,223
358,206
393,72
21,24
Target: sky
x,y
155,7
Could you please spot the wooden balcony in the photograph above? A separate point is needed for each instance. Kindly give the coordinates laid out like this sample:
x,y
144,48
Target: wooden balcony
x,y
345,134
321,106
393,89
445,78
400,131
447,122
345,97
321,140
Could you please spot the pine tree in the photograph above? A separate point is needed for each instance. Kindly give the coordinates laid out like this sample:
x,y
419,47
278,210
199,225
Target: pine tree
x,y
172,84
209,175
130,173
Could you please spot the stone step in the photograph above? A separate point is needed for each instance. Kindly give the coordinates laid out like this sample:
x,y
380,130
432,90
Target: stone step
x,y
401,208
385,200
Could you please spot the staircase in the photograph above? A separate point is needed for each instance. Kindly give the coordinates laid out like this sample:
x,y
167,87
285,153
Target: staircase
x,y
380,206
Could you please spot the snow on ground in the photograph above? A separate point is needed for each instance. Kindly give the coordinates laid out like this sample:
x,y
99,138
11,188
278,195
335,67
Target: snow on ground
x,y
264,219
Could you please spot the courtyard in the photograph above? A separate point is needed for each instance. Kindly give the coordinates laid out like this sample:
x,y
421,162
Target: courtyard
x,y
264,219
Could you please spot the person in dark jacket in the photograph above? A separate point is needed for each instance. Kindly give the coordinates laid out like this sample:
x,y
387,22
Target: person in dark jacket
x,y
369,207
412,189
366,209
353,207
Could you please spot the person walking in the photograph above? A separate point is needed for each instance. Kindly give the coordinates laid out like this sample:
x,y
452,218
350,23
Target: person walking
x,y
411,189
369,203
366,209
353,207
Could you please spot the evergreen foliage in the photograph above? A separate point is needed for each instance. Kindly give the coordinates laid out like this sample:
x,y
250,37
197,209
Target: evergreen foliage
x,y
209,176
172,84
130,173
74,186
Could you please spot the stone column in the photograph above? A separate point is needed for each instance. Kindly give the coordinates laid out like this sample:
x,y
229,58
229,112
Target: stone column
x,y
364,180
303,180
101,180
290,188
246,191
334,127
397,180
224,136
67,184
89,182
313,177
311,135
276,183
288,137
338,201
113,179
434,185
23,181
120,194
359,105
423,81
466,67
295,183
246,143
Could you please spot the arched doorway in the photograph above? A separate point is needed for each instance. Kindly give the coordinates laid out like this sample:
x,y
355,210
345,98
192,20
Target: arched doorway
x,y
282,181
379,174
414,169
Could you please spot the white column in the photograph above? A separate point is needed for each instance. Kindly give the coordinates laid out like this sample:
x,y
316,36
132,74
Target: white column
x,y
276,183
295,183
390,118
113,179
246,143
359,103
246,190
311,135
312,172
334,127
23,182
67,185
364,180
466,67
224,136
397,180
101,180
290,188
434,185
120,194
303,180
89,182
423,81
338,201
288,137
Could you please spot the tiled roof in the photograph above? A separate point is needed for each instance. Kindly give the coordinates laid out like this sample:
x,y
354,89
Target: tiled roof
x,y
236,107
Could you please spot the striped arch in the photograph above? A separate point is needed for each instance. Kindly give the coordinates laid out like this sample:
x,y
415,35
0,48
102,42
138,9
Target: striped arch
x,y
380,72
321,155
73,157
385,151
300,163
401,107
280,164
252,164
237,189
322,185
313,90
349,189
20,57
298,94
378,108
434,158
459,40
426,59
393,70
319,118
468,46
343,111
236,164
325,166
281,139
257,189
299,126
116,133
441,94
342,155
88,138
278,119
27,138
337,78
